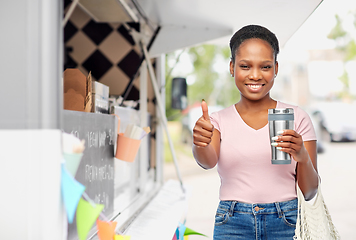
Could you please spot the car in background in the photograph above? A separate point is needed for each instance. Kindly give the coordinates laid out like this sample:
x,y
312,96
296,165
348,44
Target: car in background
x,y
338,119
319,131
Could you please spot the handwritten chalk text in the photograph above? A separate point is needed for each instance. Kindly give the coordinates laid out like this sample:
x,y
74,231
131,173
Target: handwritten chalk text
x,y
96,173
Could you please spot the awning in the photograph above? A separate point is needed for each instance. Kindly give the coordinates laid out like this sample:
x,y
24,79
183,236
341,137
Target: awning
x,y
190,22
185,23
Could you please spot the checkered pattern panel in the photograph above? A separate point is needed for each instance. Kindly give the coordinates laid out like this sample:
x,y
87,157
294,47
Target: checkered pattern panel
x,y
105,49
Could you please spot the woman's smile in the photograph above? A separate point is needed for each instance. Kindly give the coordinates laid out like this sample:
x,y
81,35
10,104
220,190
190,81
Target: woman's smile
x,y
254,87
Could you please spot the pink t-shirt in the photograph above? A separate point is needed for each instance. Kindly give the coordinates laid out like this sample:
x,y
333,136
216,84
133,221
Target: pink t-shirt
x,y
244,165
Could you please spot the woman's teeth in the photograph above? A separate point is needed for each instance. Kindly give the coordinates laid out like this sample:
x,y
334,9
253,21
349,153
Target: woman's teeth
x,y
254,86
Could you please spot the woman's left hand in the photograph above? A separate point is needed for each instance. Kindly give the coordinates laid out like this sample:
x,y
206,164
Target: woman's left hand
x,y
291,142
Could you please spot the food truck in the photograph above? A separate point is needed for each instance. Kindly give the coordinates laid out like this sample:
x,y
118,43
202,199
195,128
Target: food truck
x,y
113,54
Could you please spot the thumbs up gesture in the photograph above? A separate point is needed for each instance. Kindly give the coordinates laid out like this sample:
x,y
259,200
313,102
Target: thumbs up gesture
x,y
203,129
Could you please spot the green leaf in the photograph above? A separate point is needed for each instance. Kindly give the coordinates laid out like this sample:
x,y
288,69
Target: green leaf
x,y
337,31
351,50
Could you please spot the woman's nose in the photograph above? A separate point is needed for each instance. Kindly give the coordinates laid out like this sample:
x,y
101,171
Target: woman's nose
x,y
255,75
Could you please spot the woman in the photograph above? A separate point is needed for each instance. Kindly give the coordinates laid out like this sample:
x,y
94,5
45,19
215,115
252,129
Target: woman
x,y
258,199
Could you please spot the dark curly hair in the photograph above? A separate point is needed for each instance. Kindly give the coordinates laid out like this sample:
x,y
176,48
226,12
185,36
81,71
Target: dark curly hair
x,y
253,31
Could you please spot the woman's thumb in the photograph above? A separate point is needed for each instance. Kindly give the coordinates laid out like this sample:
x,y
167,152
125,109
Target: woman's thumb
x,y
204,108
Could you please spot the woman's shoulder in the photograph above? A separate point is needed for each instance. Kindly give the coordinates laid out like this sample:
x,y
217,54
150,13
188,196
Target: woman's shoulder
x,y
224,111
297,109
223,116
281,104
300,115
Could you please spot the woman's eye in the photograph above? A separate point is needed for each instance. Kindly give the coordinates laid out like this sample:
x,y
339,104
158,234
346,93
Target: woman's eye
x,y
244,66
267,67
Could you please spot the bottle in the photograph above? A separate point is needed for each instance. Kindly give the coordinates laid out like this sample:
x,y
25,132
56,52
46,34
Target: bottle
x,y
280,119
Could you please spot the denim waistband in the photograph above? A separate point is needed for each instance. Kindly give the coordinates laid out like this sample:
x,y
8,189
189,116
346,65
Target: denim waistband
x,y
259,208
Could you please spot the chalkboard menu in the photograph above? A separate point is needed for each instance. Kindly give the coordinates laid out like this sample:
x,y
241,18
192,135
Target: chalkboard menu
x,y
96,170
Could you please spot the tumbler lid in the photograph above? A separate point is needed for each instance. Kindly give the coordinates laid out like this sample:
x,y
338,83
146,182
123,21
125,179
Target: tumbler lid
x,y
281,111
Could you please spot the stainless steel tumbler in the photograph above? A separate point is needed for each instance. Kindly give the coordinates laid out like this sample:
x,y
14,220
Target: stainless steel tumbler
x,y
280,119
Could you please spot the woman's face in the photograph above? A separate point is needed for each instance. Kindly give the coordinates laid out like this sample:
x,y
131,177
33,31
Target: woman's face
x,y
254,69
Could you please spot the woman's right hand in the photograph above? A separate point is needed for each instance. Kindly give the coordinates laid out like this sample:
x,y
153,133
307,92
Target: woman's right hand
x,y
203,129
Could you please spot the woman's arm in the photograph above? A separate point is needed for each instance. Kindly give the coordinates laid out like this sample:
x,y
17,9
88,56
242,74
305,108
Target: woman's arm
x,y
307,172
206,141
305,154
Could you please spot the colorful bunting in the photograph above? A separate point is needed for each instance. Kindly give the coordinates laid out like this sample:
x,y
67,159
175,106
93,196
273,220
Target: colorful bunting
x,y
72,161
119,237
106,230
87,213
189,231
72,191
182,232
182,228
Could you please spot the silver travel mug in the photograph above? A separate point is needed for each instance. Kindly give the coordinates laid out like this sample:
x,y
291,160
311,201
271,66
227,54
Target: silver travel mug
x,y
280,119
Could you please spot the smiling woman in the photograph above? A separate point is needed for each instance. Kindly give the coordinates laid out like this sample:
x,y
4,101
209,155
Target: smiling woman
x,y
254,192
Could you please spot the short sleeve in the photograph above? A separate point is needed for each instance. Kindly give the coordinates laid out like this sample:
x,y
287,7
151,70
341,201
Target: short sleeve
x,y
304,125
215,120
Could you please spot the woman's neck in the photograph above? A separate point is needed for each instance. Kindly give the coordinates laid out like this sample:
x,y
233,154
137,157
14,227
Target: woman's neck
x,y
256,106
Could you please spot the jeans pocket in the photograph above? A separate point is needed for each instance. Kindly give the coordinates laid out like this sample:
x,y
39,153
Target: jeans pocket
x,y
290,217
221,216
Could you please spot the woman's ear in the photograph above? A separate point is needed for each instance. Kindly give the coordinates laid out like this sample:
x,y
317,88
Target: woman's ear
x,y
276,68
232,68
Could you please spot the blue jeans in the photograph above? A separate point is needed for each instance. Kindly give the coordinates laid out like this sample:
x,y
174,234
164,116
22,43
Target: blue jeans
x,y
236,220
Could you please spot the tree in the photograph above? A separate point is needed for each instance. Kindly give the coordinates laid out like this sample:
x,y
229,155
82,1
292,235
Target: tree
x,y
346,43
211,83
